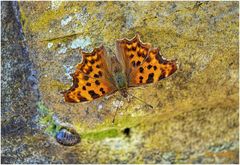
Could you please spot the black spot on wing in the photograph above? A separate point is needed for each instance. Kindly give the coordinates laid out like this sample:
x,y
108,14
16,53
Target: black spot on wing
x,y
102,90
155,68
139,54
149,66
92,61
141,79
133,63
138,63
82,99
97,82
90,69
93,94
97,66
100,73
150,78
85,77
96,76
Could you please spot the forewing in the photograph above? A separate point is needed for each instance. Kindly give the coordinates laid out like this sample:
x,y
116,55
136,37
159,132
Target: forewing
x,y
92,78
153,69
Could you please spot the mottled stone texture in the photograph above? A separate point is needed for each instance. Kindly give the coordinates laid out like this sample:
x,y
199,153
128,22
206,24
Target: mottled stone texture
x,y
196,111
18,86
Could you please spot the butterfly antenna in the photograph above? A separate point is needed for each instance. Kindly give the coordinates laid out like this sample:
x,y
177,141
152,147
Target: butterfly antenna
x,y
141,100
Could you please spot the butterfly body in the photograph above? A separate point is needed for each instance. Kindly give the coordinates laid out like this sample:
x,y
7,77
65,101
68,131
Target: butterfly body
x,y
120,80
136,63
121,83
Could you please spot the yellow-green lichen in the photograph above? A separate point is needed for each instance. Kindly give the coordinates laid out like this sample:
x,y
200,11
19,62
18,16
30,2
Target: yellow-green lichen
x,y
43,22
23,19
101,134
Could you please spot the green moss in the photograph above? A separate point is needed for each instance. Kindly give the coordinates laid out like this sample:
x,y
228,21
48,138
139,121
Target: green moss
x,y
47,120
110,133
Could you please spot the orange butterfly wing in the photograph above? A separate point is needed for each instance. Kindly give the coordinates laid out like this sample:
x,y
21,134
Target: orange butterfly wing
x,y
132,53
145,64
91,79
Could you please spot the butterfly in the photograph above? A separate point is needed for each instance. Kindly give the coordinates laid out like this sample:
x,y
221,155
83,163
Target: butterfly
x,y
135,64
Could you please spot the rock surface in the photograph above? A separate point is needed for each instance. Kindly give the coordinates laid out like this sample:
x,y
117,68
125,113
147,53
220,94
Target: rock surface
x,y
196,111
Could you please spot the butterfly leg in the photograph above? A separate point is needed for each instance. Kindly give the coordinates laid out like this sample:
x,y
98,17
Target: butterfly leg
x,y
148,105
113,120
117,104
